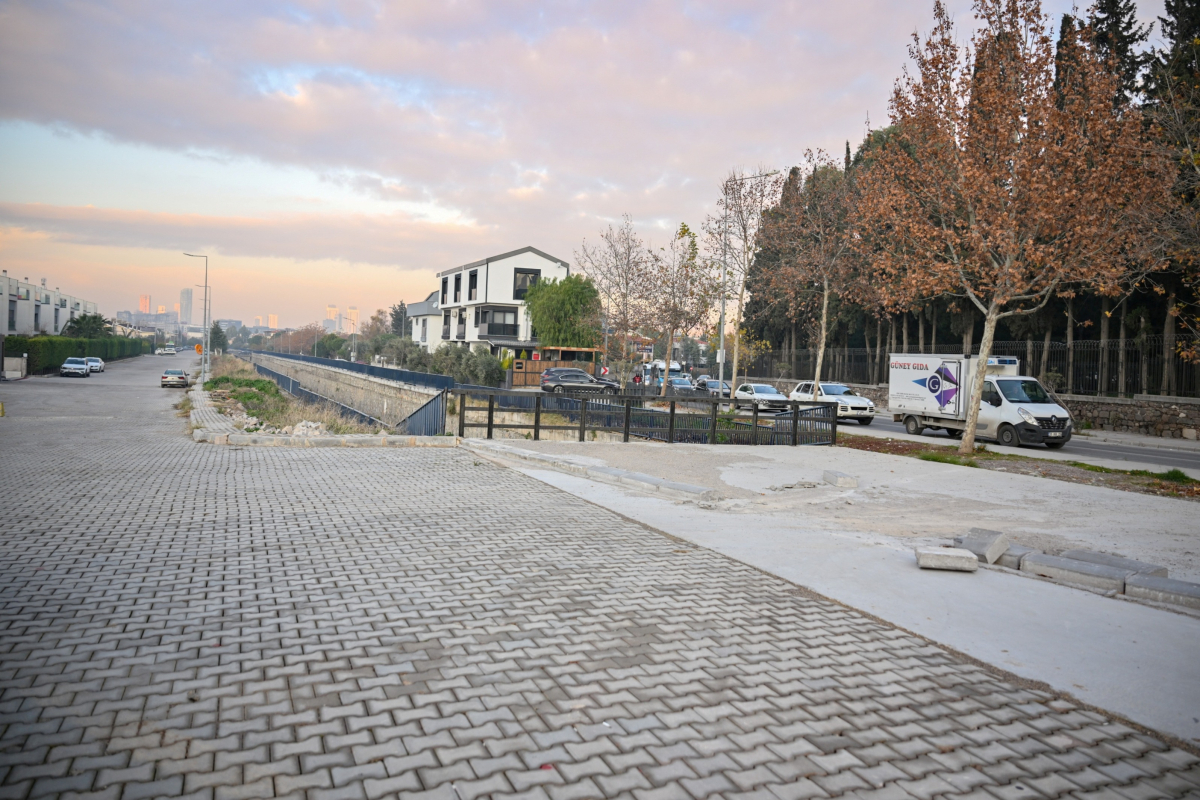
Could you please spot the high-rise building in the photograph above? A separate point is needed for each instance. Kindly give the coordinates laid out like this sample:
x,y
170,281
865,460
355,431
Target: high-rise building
x,y
258,322
273,321
162,309
144,304
331,312
352,319
185,306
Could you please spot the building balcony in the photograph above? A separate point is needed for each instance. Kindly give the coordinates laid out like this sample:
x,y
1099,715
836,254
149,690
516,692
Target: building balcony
x,y
499,329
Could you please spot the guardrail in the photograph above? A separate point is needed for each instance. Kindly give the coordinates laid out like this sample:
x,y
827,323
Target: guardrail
x,y
803,423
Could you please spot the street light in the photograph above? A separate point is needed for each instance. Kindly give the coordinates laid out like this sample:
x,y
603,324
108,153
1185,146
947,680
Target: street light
x,y
725,270
206,359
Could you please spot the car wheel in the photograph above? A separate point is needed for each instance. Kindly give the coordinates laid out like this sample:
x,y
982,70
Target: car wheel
x,y
737,406
609,390
559,390
954,433
913,427
866,421
1055,445
1007,436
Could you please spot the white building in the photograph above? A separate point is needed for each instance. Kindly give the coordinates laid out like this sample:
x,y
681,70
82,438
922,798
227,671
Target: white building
x,y
484,301
32,308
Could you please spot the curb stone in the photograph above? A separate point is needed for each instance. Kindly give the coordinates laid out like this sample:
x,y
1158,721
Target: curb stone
x,y
634,480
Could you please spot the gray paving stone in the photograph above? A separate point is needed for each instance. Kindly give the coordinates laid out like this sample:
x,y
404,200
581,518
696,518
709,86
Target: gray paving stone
x,y
340,623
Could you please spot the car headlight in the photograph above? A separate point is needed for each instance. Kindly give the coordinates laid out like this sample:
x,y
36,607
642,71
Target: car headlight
x,y
1025,415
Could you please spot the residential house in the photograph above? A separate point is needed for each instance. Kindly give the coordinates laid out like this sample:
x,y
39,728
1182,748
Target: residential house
x,y
34,309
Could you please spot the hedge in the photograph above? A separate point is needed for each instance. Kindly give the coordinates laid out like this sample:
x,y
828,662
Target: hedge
x,y
47,353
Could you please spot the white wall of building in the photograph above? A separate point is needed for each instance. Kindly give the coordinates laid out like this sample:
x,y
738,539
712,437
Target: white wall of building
x,y
30,308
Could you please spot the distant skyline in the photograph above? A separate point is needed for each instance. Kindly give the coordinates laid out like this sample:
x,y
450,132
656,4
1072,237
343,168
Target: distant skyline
x,y
351,150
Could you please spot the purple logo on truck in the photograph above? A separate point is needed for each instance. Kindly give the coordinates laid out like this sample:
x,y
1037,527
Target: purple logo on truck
x,y
942,384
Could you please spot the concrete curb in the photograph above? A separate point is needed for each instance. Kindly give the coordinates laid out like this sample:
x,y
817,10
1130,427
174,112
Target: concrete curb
x,y
634,480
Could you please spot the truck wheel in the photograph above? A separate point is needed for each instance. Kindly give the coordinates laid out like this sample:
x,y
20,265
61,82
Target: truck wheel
x,y
912,427
954,433
1055,445
1007,436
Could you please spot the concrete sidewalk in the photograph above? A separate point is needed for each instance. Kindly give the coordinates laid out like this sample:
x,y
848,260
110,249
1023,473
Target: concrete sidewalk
x,y
1138,661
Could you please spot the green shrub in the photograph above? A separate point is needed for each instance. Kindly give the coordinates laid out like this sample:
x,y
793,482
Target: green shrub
x,y
47,353
261,385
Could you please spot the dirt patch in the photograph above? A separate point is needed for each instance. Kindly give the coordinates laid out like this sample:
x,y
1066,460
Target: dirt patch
x,y
1165,484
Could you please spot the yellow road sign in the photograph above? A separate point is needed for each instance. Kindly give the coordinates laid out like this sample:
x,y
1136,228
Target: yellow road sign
x,y
200,349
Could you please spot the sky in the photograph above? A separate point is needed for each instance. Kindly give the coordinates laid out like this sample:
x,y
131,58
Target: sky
x,y
344,152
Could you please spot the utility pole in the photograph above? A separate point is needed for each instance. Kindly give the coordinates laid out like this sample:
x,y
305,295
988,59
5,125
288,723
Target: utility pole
x,y
206,359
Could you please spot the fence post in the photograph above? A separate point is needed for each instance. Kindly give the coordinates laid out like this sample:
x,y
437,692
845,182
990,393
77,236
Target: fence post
x,y
628,412
671,424
491,413
833,417
582,418
712,423
754,424
537,418
795,423
462,415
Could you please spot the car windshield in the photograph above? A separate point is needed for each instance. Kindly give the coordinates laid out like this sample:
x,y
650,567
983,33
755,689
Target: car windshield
x,y
834,389
173,372
762,388
1024,391
75,361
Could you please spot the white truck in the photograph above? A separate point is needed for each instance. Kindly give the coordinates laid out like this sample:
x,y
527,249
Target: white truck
x,y
932,391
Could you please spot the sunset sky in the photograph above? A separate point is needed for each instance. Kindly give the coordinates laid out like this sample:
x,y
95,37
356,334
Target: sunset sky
x,y
343,152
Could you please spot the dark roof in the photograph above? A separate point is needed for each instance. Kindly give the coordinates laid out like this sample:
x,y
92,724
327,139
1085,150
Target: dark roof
x,y
503,256
425,307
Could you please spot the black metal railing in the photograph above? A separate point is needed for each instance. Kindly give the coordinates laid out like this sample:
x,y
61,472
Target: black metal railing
x,y
293,387
426,379
498,329
695,420
429,419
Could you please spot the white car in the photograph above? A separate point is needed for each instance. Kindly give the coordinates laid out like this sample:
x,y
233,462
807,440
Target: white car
x,y
850,405
95,364
168,351
764,396
75,366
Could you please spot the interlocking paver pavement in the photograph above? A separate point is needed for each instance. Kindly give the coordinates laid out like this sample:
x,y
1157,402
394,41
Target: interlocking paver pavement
x,y
181,619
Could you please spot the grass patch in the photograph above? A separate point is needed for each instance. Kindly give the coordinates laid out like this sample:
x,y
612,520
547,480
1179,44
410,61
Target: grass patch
x,y
260,385
1171,476
184,406
1094,468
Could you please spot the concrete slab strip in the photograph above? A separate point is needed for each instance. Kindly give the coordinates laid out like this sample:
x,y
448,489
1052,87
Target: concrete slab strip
x,y
1082,573
948,558
839,479
1011,557
1141,567
1163,590
987,545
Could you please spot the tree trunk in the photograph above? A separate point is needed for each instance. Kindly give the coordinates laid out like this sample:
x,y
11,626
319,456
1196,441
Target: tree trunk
x,y
1168,377
1145,354
821,344
933,328
904,322
875,378
1070,345
667,361
1029,353
1045,353
1105,313
1121,386
921,330
737,332
967,447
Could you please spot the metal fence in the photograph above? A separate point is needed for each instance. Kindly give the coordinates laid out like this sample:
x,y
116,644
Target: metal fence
x,y
1112,368
293,387
694,421
429,419
427,379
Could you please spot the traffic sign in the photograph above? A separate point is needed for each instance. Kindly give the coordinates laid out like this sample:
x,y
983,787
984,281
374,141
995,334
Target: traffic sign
x,y
200,349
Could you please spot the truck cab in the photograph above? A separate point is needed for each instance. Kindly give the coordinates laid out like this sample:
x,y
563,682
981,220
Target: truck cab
x,y
1016,410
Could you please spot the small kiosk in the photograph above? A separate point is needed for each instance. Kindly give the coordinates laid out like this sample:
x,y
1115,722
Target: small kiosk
x,y
528,371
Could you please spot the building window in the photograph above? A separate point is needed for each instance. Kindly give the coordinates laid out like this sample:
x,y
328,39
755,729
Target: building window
x,y
56,319
445,287
37,318
473,286
424,326
12,315
445,324
522,280
458,288
476,316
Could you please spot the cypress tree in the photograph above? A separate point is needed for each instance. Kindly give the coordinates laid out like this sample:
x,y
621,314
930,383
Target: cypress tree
x,y
1181,26
1118,36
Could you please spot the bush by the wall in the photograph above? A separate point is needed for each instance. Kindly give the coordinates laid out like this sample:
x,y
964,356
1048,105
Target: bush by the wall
x,y
47,353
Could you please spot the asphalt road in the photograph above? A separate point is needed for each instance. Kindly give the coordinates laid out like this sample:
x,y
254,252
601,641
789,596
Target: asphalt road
x,y
1168,458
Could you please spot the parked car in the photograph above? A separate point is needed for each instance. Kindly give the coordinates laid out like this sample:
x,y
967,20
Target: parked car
x,y
850,405
95,364
567,379
763,395
168,351
700,381
158,351
75,366
716,388
174,377
680,386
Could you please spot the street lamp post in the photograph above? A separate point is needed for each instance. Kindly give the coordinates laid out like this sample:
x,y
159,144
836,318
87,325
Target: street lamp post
x,y
206,359
725,275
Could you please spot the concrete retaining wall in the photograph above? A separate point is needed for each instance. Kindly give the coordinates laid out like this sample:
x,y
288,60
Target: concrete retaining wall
x,y
1151,415
389,401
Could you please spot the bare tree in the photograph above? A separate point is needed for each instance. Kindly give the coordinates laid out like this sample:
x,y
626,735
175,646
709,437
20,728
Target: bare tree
x,y
731,235
620,267
684,289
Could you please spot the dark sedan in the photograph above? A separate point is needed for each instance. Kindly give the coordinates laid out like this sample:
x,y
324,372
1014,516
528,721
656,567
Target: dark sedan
x,y
561,380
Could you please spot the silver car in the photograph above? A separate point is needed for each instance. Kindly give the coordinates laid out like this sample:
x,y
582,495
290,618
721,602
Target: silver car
x,y
850,405
95,364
